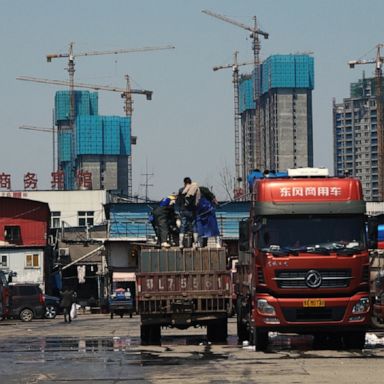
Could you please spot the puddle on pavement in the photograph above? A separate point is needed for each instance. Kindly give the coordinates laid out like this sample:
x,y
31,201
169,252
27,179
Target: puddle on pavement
x,y
277,342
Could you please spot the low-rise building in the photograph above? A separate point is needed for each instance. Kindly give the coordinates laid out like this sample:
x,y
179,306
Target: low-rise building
x,y
24,227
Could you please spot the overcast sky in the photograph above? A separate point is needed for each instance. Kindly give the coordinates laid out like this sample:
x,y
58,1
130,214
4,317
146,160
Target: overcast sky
x,y
187,129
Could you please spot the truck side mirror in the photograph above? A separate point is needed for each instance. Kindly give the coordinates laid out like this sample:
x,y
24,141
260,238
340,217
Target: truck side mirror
x,y
372,232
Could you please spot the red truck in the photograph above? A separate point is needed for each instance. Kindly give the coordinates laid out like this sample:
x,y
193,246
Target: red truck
x,y
303,261
182,289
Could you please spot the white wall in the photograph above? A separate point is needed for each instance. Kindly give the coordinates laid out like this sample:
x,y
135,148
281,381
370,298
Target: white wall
x,y
17,263
69,203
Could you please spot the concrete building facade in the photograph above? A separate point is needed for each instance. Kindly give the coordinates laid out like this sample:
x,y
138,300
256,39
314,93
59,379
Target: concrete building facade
x,y
96,152
355,136
286,131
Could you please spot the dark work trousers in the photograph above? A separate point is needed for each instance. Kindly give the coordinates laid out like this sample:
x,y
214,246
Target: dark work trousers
x,y
67,314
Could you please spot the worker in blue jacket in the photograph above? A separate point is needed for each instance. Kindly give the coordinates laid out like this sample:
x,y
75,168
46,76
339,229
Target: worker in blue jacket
x,y
163,220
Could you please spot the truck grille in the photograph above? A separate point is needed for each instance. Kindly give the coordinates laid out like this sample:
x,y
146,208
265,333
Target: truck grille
x,y
330,278
313,314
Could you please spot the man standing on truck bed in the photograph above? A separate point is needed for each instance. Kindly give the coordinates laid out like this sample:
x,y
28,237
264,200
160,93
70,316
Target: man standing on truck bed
x,y
164,221
187,200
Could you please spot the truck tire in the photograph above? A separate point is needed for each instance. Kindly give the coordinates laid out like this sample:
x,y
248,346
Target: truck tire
x,y
376,323
354,340
150,334
259,338
217,330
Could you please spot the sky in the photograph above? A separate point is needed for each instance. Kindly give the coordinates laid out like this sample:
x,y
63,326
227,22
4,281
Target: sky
x,y
187,129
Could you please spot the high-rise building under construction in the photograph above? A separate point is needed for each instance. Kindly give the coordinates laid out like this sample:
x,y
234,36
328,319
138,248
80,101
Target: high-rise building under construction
x,y
95,153
355,136
285,138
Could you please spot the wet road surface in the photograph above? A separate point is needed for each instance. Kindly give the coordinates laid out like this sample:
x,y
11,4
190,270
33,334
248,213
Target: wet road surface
x,y
94,349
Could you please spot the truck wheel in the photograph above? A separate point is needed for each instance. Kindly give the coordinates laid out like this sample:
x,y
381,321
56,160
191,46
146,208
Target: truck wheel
x,y
259,339
354,340
376,322
217,330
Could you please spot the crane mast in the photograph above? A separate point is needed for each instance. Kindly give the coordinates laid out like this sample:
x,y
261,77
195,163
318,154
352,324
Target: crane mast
x,y
255,158
378,61
239,187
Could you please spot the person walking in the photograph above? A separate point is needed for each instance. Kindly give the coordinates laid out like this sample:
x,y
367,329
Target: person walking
x,y
67,299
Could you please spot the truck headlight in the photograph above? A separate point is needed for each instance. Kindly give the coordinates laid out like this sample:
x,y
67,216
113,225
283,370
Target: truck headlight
x,y
264,308
362,306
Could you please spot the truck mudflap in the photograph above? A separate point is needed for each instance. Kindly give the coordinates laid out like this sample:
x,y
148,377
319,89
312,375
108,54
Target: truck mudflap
x,y
276,313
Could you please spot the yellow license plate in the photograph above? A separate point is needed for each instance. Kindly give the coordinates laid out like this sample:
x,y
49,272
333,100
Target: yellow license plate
x,y
314,303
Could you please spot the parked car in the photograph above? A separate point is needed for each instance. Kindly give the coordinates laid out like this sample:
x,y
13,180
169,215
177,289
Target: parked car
x,y
26,302
52,306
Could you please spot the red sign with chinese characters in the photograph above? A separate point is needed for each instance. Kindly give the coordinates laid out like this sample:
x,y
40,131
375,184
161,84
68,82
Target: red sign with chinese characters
x,y
57,181
30,181
308,190
5,181
84,179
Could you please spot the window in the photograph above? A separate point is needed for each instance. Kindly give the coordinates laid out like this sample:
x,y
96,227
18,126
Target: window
x,y
12,234
32,261
85,218
55,219
4,261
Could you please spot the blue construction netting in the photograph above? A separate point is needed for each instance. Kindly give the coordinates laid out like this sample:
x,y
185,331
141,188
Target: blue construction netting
x,y
103,135
278,71
86,103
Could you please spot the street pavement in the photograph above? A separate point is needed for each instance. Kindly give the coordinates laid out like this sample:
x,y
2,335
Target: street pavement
x,y
95,348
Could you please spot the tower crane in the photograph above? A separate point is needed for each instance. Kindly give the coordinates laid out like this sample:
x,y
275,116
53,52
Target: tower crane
x,y
126,94
378,61
255,32
239,162
71,66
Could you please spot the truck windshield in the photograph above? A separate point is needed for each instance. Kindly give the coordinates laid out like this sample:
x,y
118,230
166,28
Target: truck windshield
x,y
312,233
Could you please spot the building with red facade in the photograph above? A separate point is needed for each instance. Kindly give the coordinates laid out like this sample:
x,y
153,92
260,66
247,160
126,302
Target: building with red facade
x,y
24,226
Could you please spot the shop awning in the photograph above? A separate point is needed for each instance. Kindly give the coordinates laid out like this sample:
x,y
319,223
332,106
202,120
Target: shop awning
x,y
124,276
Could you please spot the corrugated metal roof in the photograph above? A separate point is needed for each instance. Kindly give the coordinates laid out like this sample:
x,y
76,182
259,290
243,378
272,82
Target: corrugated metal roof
x,y
130,220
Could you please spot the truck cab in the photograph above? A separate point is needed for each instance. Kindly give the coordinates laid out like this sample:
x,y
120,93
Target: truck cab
x,y
306,269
